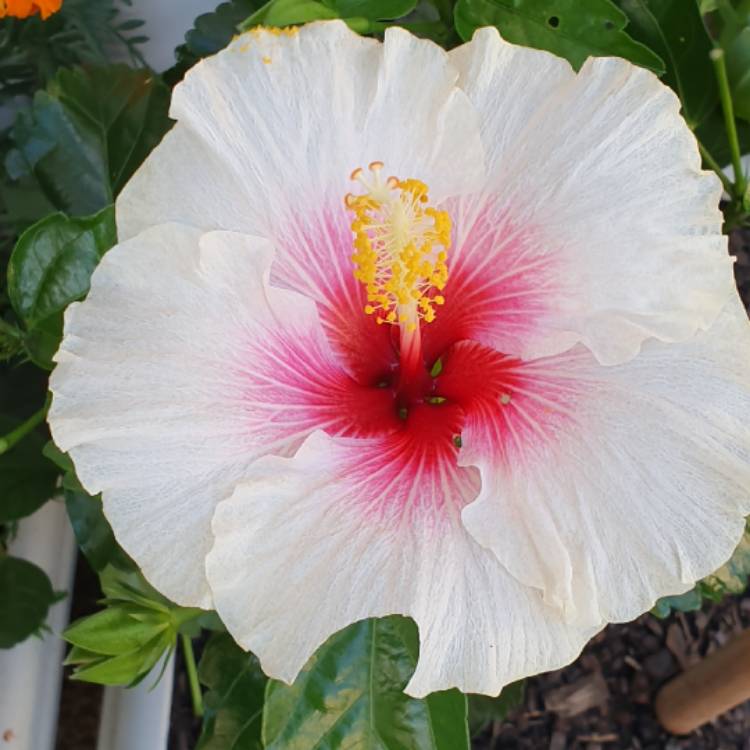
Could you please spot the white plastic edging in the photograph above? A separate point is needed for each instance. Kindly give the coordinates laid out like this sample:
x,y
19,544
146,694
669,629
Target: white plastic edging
x,y
31,672
167,21
137,718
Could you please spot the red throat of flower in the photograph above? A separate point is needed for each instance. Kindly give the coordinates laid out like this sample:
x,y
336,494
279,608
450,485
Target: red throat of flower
x,y
400,255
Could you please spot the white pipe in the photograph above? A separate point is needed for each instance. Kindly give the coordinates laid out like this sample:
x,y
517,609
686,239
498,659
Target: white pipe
x,y
137,718
31,672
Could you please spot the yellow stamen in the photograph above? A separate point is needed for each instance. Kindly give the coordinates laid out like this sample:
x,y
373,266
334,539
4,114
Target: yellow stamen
x,y
401,248
275,30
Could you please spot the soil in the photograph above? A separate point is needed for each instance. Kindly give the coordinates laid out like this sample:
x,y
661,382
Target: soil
x,y
604,701
80,702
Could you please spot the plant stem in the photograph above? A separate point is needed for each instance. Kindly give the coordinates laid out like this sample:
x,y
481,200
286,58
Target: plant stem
x,y
20,432
195,688
725,181
9,329
720,68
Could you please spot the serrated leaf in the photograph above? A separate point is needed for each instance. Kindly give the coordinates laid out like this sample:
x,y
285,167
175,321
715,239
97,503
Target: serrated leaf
x,y
350,694
213,31
27,479
674,29
52,263
573,29
234,700
26,595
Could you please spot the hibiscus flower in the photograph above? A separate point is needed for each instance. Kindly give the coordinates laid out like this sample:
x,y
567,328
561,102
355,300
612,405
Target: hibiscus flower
x,y
395,330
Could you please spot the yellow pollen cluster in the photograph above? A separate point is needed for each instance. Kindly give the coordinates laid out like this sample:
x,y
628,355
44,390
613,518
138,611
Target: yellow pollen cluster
x,y
401,247
275,30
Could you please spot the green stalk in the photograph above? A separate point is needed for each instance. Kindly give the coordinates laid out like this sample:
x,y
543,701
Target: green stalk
x,y
725,181
192,671
720,68
19,433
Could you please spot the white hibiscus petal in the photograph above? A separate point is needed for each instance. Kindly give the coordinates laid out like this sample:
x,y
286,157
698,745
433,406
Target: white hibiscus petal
x,y
179,369
609,487
347,530
270,129
597,176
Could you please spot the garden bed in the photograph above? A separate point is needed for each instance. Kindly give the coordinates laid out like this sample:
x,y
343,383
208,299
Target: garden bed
x,y
604,701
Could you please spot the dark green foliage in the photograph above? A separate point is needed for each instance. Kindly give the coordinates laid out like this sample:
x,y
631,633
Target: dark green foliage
x,y
84,137
27,479
51,267
234,701
674,29
83,31
573,29
25,597
484,710
350,694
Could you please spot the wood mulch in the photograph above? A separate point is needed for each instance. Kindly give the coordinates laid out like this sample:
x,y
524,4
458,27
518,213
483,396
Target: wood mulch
x,y
604,701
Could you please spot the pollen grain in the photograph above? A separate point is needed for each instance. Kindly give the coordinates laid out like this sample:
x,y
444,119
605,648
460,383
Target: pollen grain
x,y
401,248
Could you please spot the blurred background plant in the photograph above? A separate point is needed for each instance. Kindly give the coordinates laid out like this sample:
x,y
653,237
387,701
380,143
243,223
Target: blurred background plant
x,y
75,128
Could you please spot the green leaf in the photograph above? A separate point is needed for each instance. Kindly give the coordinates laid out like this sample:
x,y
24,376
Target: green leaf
x,y
731,578
114,631
350,694
674,29
51,267
234,701
738,69
43,340
484,709
92,530
78,655
120,644
25,598
573,29
374,10
125,669
712,133
27,479
690,601
58,458
213,31
52,263
87,133
289,13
